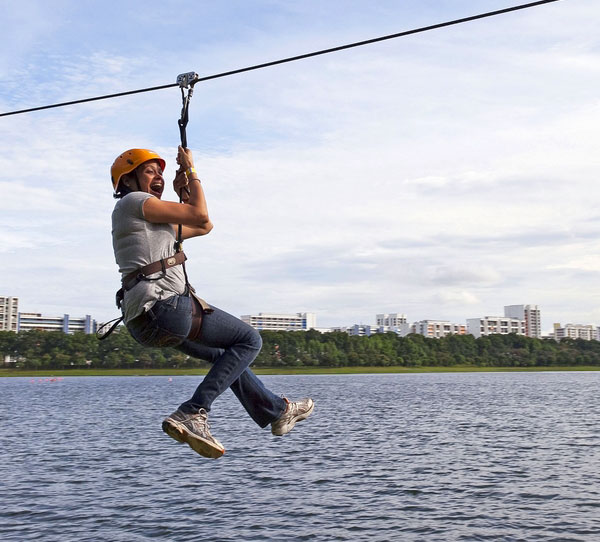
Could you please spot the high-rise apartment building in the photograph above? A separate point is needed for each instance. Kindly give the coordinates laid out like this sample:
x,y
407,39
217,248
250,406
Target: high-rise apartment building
x,y
9,313
576,331
67,324
301,321
530,314
391,320
438,328
359,330
495,325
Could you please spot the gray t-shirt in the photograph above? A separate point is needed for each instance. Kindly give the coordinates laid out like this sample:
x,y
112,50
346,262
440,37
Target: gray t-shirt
x,y
137,243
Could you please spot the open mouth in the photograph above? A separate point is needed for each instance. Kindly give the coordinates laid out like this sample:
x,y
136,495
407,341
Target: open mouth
x,y
157,187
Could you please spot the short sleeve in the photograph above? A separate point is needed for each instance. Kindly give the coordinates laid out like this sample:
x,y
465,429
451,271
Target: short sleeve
x,y
132,204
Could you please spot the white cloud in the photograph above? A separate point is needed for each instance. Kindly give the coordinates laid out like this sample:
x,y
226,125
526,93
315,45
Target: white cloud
x,y
441,175
588,262
459,298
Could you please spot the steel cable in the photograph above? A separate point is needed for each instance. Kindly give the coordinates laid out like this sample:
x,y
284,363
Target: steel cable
x,y
294,58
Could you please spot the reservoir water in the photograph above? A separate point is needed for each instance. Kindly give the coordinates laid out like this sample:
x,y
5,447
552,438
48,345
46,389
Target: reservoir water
x,y
418,457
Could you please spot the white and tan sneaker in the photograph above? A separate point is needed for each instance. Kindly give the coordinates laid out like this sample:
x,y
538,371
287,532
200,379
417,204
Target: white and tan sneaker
x,y
194,430
294,412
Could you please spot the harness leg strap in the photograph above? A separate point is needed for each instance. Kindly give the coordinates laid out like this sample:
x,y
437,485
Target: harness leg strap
x,y
196,320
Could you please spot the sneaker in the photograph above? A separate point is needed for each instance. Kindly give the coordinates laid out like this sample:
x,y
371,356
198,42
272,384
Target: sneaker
x,y
194,430
295,412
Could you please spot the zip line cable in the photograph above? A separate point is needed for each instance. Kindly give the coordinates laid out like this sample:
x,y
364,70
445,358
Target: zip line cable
x,y
294,58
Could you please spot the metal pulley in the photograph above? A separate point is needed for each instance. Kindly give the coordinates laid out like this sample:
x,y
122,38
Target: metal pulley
x,y
186,81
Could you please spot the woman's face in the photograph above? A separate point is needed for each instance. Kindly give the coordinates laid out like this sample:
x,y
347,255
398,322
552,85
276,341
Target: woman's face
x,y
150,176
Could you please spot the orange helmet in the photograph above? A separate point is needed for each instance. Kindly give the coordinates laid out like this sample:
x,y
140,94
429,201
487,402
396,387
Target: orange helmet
x,y
129,160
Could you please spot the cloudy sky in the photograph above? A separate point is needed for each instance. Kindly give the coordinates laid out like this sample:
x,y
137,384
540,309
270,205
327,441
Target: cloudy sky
x,y
442,175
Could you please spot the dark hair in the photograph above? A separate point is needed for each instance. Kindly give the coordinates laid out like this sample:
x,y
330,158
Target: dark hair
x,y
123,190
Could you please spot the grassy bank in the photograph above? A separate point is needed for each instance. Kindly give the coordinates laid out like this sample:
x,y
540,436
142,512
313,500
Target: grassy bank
x,y
289,371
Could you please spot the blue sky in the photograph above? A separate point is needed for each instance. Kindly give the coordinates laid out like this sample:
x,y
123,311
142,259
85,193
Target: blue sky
x,y
443,175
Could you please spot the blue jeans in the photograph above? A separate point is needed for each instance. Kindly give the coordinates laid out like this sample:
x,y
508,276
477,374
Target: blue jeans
x,y
225,341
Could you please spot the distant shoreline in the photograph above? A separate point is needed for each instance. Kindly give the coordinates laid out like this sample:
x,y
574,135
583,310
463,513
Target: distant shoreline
x,y
291,371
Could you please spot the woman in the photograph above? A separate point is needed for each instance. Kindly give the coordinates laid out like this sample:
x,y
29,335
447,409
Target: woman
x,y
160,309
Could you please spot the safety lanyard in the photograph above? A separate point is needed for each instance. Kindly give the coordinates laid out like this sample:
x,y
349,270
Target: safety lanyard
x,y
186,82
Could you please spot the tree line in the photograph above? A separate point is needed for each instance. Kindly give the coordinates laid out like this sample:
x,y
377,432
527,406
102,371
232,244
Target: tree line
x,y
54,350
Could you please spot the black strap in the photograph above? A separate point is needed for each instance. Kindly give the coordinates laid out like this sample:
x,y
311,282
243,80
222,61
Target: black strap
x,y
186,81
101,334
183,122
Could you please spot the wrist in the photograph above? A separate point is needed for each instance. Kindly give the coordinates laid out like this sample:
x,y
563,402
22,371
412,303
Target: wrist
x,y
191,173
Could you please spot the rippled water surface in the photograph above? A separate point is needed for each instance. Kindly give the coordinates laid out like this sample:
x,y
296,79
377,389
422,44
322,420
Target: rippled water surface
x,y
479,456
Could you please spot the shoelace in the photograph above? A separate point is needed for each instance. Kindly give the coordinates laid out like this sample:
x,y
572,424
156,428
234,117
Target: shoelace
x,y
292,408
202,419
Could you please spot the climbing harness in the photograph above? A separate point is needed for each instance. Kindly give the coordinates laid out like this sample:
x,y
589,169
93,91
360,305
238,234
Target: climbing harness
x,y
130,280
186,82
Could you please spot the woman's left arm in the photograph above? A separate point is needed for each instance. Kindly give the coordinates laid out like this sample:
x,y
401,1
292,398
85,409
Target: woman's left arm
x,y
182,188
188,232
193,212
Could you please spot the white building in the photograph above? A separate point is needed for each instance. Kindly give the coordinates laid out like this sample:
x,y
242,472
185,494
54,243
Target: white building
x,y
301,321
530,314
401,329
33,320
360,330
495,325
391,323
9,313
438,328
576,331
390,320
